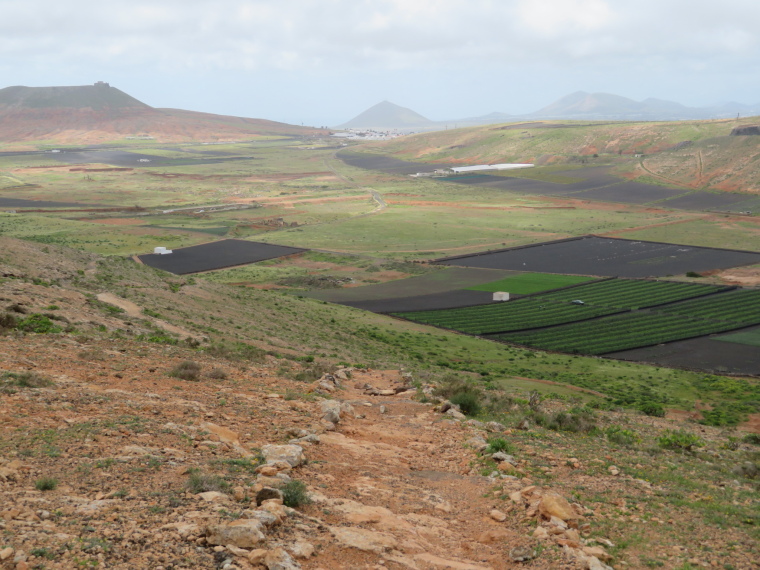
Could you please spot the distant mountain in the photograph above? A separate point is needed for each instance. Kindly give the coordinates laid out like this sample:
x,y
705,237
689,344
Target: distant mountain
x,y
605,106
576,106
387,115
88,114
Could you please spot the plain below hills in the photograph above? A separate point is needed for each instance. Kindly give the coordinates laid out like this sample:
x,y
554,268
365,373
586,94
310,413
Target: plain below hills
x,y
91,114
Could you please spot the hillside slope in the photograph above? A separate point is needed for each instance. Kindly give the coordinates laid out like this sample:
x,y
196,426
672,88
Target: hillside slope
x,y
689,153
91,114
122,449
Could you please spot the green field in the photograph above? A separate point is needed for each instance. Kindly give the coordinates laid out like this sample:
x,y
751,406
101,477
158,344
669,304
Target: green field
x,y
528,283
558,307
696,317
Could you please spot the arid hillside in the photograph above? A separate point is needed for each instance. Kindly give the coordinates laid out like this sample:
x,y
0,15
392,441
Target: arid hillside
x,y
247,445
695,154
99,113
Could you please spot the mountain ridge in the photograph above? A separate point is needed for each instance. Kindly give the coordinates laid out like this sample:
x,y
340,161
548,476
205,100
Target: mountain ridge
x,y
579,105
99,113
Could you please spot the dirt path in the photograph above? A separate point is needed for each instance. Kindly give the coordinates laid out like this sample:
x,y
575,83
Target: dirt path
x,y
136,311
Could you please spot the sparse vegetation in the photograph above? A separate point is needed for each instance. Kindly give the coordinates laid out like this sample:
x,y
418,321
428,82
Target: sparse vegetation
x,y
187,370
46,484
294,494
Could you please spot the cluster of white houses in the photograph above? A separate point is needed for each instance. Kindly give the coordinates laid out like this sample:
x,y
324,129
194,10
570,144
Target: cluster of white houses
x,y
453,171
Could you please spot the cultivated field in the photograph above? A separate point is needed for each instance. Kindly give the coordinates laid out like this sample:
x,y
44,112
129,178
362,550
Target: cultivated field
x,y
592,255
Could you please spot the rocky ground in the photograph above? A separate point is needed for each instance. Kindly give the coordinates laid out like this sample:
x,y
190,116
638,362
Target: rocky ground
x,y
119,449
107,461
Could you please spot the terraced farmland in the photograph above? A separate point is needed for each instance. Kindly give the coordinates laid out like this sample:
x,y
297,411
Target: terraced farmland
x,y
557,307
679,321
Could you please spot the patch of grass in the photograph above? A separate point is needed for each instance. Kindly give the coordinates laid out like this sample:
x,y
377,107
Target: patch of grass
x,y
37,323
26,379
237,351
242,465
217,374
199,482
46,484
679,440
622,436
576,420
295,495
187,370
498,444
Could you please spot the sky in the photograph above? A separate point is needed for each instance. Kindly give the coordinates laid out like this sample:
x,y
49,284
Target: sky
x,y
322,62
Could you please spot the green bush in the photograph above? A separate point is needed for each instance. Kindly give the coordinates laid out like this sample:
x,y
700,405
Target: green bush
x,y
652,409
294,494
468,402
621,436
199,482
462,393
24,379
752,438
187,370
498,444
37,323
679,440
576,420
45,484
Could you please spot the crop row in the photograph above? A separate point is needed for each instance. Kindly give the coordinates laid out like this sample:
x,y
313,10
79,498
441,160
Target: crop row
x,y
625,293
515,315
603,298
738,306
623,332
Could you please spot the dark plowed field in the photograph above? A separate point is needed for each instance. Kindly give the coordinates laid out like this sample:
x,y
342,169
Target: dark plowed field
x,y
14,203
700,354
123,158
592,255
216,255
446,300
594,183
630,193
704,201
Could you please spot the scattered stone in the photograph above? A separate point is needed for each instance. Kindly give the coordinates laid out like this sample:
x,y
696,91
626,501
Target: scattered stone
x,y
747,469
554,505
268,493
291,454
477,443
225,435
212,496
303,550
524,425
244,533
455,414
383,409
500,456
330,411
6,553
522,553
614,471
362,539
279,559
495,427
498,515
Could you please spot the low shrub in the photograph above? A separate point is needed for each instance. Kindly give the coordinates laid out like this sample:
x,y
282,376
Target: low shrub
x,y
200,482
217,374
37,323
26,379
237,351
462,393
294,494
187,370
752,438
679,440
498,444
46,484
576,420
621,436
654,409
468,402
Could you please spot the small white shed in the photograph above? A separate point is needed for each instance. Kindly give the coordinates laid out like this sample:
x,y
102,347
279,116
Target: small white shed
x,y
501,296
160,250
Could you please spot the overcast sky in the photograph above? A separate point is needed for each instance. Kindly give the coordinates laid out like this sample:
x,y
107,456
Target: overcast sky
x,y
321,62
